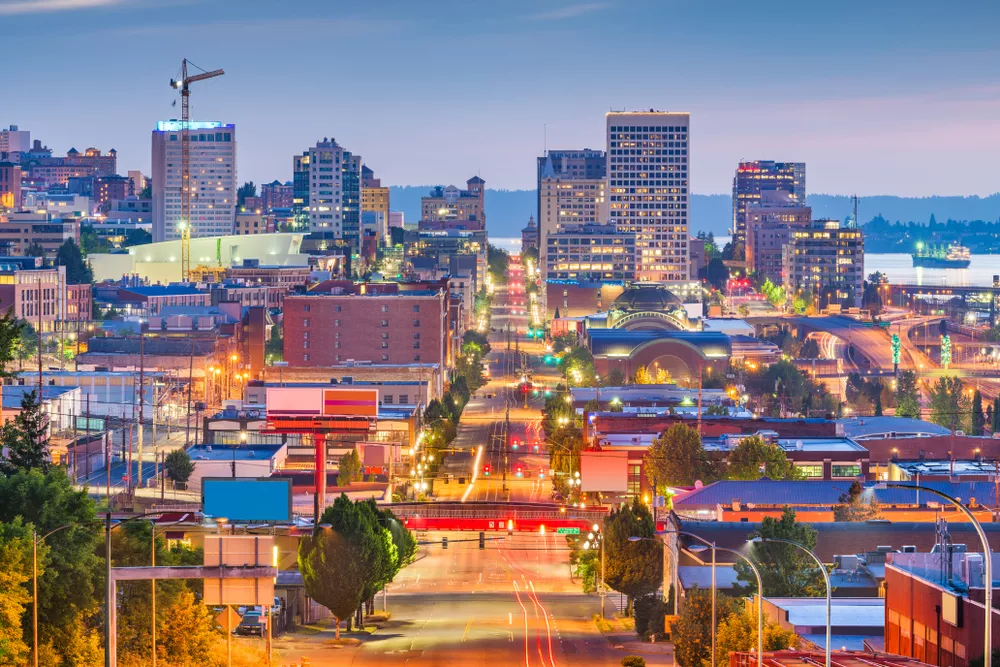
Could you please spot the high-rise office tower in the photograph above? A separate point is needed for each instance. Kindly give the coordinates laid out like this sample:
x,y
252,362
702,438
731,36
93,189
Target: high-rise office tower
x,y
15,141
213,178
568,197
648,186
765,182
300,183
586,164
334,194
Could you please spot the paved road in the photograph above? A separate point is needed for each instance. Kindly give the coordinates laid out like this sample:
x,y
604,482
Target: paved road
x,y
510,604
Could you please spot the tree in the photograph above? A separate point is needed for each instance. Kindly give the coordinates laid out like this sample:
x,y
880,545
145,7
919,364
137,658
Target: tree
x,y
632,568
855,507
190,634
614,378
78,272
332,560
878,405
978,418
642,376
785,570
26,439
738,632
15,573
692,632
907,395
90,242
69,587
349,468
248,189
717,273
995,425
12,334
137,237
633,661
34,249
179,466
677,458
753,458
949,407
274,348
497,260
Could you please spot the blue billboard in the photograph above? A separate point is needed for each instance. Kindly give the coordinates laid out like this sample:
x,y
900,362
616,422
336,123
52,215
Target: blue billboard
x,y
247,500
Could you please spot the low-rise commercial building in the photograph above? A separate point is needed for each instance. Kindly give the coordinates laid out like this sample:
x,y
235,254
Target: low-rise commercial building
x,y
590,254
825,260
20,230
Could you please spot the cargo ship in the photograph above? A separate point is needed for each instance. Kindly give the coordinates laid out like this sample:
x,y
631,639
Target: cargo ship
x,y
952,257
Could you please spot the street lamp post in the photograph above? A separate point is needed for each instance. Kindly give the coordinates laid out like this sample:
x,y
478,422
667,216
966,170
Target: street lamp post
x,y
708,544
826,579
987,559
760,596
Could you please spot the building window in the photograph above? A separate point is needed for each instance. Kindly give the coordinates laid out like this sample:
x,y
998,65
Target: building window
x,y
305,335
385,323
846,470
385,308
416,336
336,309
305,357
416,357
416,323
336,323
404,399
337,345
305,345
416,345
634,480
305,322
416,309
385,335
385,344
305,308
811,470
385,357
387,399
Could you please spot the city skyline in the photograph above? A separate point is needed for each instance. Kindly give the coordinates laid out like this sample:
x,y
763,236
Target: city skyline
x,y
852,98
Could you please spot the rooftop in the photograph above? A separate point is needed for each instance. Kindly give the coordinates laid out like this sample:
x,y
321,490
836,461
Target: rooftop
x,y
164,290
860,428
12,394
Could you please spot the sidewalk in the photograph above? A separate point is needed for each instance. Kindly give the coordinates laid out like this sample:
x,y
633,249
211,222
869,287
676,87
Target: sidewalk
x,y
620,633
315,644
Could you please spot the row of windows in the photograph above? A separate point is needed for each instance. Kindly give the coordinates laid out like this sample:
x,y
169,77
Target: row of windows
x,y
201,136
649,128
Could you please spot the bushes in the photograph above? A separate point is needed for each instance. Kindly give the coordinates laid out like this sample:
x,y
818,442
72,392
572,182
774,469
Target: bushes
x,y
649,612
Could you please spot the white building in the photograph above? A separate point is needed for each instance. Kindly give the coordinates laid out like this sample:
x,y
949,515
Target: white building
x,y
648,186
326,190
13,140
213,178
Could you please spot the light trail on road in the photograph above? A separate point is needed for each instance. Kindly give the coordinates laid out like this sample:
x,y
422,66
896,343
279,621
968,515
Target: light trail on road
x,y
517,593
475,473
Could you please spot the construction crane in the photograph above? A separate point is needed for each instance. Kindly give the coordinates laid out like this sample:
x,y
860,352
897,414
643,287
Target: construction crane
x,y
184,85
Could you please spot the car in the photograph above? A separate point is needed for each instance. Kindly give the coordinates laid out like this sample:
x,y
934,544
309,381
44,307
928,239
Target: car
x,y
252,624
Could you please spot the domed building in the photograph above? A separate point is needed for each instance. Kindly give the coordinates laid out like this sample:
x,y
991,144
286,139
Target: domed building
x,y
647,307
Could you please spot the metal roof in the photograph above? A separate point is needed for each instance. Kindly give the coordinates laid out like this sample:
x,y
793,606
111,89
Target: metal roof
x,y
860,427
823,492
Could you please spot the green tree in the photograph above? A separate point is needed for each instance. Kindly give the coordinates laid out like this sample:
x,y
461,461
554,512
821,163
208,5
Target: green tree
x,y
34,249
809,349
70,584
248,189
949,406
274,348
179,466
692,632
349,468
91,243
677,458
995,424
137,237
12,334
978,418
78,271
878,405
614,378
632,568
754,458
785,569
738,632
26,438
332,560
633,661
497,260
857,505
907,395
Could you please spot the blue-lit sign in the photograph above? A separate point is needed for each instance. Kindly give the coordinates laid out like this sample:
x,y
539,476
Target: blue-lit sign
x,y
178,125
242,499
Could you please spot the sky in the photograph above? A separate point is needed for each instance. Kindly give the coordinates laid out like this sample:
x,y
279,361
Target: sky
x,y
877,96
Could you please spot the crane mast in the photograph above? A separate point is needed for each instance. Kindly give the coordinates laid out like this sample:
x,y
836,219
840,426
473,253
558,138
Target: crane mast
x,y
184,85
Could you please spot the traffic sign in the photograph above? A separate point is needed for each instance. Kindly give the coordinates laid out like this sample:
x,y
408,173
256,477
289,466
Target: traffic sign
x,y
567,531
228,618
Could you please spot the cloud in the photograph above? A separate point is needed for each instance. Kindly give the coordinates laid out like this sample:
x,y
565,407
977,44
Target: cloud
x,y
41,6
568,12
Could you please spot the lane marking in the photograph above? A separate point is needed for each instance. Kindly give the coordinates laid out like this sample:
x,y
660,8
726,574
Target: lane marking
x,y
466,633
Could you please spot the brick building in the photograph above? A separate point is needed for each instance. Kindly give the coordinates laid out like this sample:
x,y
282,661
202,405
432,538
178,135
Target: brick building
x,y
325,329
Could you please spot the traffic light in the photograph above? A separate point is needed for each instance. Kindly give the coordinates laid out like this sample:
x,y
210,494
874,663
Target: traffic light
x,y
486,470
519,473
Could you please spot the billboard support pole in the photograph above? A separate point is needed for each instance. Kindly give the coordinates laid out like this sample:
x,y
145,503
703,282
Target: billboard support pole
x,y
320,441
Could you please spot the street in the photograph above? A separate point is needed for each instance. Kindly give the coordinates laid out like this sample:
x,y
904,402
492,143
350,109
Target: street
x,y
511,603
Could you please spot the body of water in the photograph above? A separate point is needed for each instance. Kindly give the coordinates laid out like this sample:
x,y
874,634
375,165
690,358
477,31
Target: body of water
x,y
897,266
900,270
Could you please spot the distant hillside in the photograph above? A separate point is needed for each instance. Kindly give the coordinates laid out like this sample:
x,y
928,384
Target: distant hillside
x,y
508,210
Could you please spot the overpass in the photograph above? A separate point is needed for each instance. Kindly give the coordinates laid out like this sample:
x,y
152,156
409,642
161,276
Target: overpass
x,y
486,516
979,298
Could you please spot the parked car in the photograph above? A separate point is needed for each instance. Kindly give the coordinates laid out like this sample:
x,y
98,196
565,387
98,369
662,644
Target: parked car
x,y
252,623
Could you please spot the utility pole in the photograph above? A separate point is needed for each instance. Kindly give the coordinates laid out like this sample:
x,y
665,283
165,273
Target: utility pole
x,y
142,397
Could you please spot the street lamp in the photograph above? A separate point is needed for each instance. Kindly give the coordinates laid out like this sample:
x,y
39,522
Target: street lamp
x,y
708,544
760,595
987,558
826,579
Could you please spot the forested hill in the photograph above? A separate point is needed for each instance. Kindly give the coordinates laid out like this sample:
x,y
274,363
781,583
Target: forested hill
x,y
508,210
